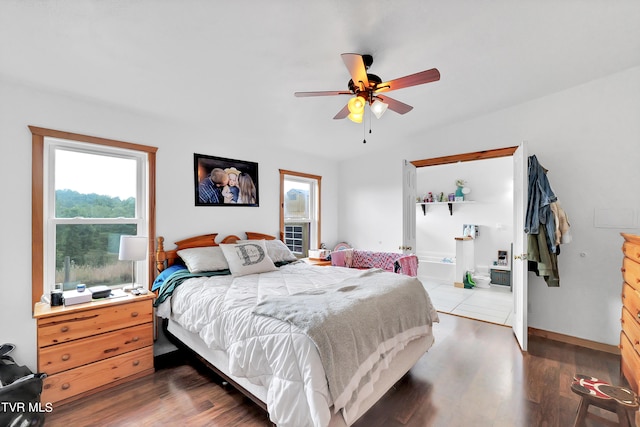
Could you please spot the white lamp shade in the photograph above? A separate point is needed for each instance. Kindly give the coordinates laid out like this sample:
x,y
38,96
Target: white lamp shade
x,y
378,108
132,248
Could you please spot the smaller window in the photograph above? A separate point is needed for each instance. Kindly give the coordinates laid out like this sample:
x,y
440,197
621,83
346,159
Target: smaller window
x,y
300,211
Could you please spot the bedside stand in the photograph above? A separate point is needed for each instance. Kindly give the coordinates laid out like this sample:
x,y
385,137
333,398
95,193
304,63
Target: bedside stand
x,y
317,261
92,346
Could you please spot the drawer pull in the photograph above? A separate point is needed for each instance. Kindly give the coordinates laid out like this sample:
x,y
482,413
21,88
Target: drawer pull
x,y
65,386
134,314
110,350
136,362
135,339
65,357
638,316
64,329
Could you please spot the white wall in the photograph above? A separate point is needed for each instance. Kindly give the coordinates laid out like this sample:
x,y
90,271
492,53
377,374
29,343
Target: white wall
x,y
588,137
491,184
177,217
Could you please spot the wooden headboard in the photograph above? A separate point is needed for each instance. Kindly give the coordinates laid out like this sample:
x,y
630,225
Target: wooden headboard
x,y
258,236
165,259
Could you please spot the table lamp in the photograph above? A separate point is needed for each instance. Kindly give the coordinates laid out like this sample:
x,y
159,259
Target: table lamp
x,y
132,248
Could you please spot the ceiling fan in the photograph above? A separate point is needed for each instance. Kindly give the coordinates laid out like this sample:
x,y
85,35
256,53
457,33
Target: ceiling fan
x,y
365,89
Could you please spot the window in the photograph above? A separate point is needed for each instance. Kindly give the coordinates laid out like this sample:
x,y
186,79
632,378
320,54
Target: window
x,y
87,192
300,211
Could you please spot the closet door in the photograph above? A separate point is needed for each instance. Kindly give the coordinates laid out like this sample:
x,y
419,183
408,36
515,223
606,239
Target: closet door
x,y
519,263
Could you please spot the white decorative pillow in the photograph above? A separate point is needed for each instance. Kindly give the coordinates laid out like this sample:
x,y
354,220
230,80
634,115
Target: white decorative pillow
x,y
247,258
276,249
208,258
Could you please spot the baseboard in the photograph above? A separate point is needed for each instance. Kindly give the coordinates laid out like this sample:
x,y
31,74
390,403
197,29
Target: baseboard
x,y
575,341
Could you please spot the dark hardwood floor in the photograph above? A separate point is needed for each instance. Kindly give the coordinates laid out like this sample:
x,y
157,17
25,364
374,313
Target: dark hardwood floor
x,y
474,375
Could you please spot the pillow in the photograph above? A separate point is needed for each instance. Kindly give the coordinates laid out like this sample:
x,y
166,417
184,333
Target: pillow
x,y
208,258
276,249
247,258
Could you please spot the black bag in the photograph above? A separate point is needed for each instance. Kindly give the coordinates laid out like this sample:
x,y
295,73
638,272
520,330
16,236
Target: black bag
x,y
20,390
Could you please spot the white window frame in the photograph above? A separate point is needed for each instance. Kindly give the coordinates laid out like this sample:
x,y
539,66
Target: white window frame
x,y
314,206
54,145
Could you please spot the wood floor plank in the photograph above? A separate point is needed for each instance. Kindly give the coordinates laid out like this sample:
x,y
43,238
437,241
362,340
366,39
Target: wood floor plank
x,y
474,375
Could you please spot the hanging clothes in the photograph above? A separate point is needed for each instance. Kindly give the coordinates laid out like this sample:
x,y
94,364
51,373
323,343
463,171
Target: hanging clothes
x,y
539,204
541,261
562,224
546,225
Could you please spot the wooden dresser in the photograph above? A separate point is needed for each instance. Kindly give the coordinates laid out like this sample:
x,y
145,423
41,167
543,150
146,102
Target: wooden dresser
x,y
88,347
630,335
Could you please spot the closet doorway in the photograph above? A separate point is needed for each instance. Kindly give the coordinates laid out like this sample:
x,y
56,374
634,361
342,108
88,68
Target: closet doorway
x,y
483,259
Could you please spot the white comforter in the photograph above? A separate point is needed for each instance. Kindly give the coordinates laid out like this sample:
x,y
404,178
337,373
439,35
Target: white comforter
x,y
264,350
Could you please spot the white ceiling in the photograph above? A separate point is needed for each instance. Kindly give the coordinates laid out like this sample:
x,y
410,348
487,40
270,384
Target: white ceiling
x,y
236,64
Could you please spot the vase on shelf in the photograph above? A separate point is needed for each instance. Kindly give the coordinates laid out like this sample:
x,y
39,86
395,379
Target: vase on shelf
x,y
459,194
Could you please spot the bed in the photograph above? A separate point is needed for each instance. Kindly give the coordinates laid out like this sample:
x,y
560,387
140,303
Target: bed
x,y
312,345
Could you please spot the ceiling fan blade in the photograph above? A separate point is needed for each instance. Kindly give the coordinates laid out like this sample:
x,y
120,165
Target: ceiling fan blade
x,y
397,106
355,65
322,93
422,77
342,113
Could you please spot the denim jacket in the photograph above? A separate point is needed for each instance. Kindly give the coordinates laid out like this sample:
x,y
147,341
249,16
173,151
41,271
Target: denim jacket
x,y
539,205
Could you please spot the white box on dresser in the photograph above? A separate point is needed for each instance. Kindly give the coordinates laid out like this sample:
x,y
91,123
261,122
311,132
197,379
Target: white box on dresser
x,y
74,297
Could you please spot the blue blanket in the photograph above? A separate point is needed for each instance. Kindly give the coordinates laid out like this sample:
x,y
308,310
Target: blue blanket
x,y
177,277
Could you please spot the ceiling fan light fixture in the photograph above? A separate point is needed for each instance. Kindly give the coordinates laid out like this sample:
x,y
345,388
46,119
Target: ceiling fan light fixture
x,y
378,108
365,87
355,117
356,105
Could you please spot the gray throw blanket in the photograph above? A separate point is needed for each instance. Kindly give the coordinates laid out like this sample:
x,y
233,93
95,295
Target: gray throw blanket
x,y
355,324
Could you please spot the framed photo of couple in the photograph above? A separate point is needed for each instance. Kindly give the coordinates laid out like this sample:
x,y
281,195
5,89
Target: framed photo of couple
x,y
225,182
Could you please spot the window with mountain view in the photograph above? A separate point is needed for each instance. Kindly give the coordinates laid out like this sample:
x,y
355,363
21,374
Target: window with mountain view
x,y
95,195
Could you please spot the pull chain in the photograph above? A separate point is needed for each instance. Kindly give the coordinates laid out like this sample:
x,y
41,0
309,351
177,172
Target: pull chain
x,y
364,127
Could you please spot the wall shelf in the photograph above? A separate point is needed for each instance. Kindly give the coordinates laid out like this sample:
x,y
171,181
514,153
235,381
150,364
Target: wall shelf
x,y
424,205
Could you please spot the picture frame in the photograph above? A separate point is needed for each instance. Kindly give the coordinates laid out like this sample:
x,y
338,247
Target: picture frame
x,y
219,181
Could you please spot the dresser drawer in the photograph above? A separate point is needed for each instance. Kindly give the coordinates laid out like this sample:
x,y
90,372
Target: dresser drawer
x,y
631,250
79,324
631,300
631,272
630,362
631,328
54,359
80,380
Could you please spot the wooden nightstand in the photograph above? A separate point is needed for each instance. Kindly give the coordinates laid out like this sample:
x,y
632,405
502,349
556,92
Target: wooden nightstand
x,y
88,347
317,261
